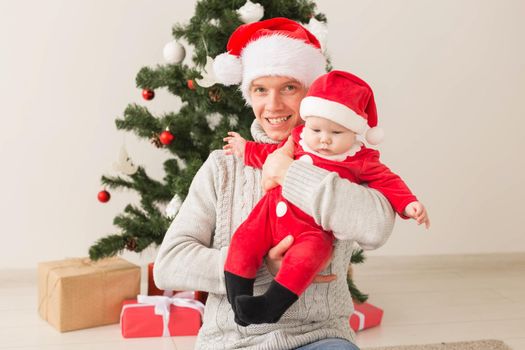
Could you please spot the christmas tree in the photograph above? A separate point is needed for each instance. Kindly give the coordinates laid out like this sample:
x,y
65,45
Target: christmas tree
x,y
208,112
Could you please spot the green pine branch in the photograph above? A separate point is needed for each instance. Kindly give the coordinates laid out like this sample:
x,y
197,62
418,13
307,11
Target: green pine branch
x,y
137,223
358,257
108,246
139,120
115,182
356,294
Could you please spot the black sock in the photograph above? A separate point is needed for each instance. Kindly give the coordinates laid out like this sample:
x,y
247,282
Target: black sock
x,y
237,286
266,308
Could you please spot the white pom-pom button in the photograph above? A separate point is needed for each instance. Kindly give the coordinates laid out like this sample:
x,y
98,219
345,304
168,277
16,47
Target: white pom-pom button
x,y
281,209
307,159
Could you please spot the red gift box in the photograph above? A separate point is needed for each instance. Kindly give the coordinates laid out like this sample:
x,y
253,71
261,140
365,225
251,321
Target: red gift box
x,y
154,290
365,316
160,316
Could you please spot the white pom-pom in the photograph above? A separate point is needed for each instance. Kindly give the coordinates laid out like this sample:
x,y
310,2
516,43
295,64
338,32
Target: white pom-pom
x,y
174,52
375,136
227,69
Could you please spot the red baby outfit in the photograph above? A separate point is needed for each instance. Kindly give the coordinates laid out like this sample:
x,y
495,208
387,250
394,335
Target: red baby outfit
x,y
273,218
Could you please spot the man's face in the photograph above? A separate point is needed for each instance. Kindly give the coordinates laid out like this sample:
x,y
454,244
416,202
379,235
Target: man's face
x,y
275,103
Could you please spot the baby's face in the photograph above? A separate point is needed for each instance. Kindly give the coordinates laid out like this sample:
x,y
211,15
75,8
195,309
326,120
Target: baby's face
x,y
327,137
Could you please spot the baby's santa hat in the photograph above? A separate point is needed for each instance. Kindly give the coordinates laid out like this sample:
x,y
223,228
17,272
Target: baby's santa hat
x,y
274,47
346,100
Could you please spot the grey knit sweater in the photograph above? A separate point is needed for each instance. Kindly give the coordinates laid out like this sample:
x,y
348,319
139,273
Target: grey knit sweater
x,y
220,198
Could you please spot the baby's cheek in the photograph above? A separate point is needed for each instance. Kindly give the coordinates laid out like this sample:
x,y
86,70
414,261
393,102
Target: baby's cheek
x,y
310,139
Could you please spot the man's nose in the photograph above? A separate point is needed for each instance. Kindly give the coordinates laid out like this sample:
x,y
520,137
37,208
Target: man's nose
x,y
275,101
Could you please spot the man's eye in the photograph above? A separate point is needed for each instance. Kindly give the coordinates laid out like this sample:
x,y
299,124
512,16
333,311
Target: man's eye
x,y
289,88
258,90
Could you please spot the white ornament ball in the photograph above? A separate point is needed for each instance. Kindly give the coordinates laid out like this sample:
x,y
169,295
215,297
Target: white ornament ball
x,y
174,52
250,12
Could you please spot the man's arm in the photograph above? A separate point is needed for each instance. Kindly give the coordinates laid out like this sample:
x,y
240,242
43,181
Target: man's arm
x,y
350,210
186,260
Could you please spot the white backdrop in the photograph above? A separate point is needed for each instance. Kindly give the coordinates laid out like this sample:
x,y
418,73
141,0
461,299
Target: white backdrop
x,y
449,79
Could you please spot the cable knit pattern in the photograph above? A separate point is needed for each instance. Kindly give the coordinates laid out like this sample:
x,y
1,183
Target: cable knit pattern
x,y
194,249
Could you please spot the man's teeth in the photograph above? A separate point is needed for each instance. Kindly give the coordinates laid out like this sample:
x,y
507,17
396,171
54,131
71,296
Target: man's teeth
x,y
275,121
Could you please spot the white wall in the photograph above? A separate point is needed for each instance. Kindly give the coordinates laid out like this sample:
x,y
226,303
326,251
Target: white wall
x,y
448,77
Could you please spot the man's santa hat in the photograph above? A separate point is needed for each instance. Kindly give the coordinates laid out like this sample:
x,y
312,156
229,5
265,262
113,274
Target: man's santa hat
x,y
346,100
274,47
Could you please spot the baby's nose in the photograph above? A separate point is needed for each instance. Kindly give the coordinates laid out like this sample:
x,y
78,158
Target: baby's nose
x,y
326,139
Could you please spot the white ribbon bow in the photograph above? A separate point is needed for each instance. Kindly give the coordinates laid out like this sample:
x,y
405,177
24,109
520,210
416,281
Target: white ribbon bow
x,y
162,306
361,317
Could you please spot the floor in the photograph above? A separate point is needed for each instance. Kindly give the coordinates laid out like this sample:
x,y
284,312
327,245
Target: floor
x,y
425,299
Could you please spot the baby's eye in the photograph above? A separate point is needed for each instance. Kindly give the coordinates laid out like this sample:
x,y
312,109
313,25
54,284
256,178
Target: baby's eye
x,y
316,130
337,132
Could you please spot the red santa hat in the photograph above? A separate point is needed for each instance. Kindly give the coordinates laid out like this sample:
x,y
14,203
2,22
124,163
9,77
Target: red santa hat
x,y
274,47
346,100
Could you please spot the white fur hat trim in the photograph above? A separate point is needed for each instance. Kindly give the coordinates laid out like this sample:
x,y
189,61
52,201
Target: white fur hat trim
x,y
312,106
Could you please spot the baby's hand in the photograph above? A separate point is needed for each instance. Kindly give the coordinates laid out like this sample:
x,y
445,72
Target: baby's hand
x,y
235,144
417,211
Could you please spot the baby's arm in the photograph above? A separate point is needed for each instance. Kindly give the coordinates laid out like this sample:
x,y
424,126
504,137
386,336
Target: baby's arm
x,y
235,144
417,211
253,153
380,177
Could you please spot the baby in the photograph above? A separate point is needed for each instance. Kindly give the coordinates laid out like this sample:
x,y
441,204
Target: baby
x,y
338,106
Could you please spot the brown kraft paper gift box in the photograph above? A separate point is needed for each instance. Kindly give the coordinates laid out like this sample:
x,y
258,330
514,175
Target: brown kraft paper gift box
x,y
79,293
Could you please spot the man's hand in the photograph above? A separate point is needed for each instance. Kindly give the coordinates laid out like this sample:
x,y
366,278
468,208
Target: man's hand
x,y
276,165
417,211
235,144
275,256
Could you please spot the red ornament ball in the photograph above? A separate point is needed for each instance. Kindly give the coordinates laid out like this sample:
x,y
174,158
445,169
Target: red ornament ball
x,y
166,137
148,94
191,84
103,196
